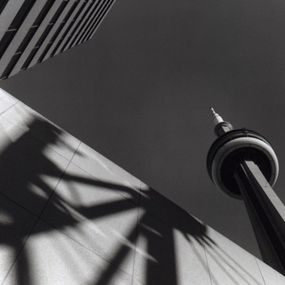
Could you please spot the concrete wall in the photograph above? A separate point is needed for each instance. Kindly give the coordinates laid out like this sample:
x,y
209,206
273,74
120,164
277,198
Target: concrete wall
x,y
68,215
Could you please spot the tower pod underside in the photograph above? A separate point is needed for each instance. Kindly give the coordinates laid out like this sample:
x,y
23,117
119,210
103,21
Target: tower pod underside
x,y
233,147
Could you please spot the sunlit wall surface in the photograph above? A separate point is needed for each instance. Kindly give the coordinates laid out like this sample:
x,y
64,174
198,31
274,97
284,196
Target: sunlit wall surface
x,y
32,31
68,215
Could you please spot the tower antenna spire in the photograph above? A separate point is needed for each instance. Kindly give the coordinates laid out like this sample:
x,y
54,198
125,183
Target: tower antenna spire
x,y
221,126
217,118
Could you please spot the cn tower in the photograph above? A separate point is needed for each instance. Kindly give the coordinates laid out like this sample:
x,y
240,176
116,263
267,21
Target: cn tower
x,y
243,164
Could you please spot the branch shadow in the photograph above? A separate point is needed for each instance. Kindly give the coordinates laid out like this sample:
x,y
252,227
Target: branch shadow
x,y
23,165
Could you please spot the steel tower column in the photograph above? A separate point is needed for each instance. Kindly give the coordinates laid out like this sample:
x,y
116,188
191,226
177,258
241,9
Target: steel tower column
x,y
243,164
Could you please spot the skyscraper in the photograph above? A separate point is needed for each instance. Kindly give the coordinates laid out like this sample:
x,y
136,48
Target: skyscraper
x,y
32,31
242,163
68,215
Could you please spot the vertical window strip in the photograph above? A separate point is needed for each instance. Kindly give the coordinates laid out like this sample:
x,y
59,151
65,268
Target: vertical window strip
x,y
68,29
58,31
11,65
28,37
93,30
86,20
35,25
3,5
22,13
44,34
16,23
95,23
75,30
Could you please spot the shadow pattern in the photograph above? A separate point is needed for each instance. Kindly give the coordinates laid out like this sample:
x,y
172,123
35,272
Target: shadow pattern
x,y
23,163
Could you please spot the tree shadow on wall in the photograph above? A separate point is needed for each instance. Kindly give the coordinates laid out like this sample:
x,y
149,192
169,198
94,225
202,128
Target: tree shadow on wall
x,y
25,165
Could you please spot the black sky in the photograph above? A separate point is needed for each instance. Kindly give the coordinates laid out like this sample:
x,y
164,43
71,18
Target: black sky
x,y
139,92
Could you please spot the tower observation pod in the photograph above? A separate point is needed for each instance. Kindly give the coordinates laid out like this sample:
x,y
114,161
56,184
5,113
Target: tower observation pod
x,y
243,164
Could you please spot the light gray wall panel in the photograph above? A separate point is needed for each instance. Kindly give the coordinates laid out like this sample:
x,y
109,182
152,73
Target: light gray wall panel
x,y
271,277
52,258
230,264
16,224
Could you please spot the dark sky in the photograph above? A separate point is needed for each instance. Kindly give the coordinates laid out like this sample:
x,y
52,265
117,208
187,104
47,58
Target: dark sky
x,y
139,92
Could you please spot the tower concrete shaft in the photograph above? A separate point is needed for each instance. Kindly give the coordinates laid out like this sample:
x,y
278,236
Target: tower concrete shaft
x,y
243,164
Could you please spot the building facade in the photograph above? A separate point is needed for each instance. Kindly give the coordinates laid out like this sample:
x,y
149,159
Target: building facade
x,y
32,31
